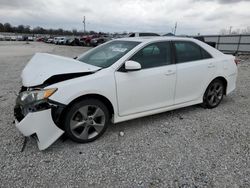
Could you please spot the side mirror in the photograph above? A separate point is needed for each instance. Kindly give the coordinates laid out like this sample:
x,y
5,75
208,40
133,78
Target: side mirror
x,y
132,66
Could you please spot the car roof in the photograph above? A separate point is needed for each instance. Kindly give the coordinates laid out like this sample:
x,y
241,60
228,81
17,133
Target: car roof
x,y
144,40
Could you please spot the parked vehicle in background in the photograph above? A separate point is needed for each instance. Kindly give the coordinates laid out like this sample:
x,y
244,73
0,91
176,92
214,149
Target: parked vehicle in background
x,y
120,80
49,40
2,37
55,41
81,42
40,39
144,34
75,41
25,38
19,38
72,41
7,38
87,39
30,38
62,40
13,38
100,40
169,34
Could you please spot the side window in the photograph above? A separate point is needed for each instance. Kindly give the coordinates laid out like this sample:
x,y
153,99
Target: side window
x,y
187,51
147,34
205,54
142,34
151,50
154,55
132,35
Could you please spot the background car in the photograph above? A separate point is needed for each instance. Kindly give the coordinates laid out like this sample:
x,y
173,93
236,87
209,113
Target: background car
x,y
75,41
62,40
55,40
49,40
40,39
13,38
100,40
87,39
30,38
2,37
143,34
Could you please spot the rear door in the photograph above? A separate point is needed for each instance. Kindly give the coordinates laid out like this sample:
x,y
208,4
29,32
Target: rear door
x,y
195,67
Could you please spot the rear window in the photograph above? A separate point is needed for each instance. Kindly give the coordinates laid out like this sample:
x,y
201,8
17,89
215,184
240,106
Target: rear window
x,y
205,54
188,51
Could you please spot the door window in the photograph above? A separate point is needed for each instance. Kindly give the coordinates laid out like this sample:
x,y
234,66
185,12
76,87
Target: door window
x,y
205,54
154,55
189,51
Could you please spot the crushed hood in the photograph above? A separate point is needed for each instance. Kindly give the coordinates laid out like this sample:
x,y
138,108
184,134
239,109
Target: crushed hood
x,y
44,66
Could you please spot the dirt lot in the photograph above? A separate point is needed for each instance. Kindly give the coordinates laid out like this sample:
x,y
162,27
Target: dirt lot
x,y
190,147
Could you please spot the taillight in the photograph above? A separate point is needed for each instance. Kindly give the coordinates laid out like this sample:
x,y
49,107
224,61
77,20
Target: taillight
x,y
237,61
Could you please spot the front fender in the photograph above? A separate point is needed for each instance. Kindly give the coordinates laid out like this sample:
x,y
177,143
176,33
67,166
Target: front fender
x,y
98,83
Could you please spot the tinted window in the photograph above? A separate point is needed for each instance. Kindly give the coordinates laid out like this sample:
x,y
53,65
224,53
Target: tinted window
x,y
147,34
107,54
205,54
132,35
187,51
154,55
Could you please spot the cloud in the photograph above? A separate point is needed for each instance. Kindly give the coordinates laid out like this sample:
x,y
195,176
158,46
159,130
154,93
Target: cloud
x,y
224,1
193,16
13,4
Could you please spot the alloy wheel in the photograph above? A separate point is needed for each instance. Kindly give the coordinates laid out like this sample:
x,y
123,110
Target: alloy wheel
x,y
215,94
87,122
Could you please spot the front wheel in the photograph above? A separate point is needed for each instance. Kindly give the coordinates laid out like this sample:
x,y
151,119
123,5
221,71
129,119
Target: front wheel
x,y
214,94
86,120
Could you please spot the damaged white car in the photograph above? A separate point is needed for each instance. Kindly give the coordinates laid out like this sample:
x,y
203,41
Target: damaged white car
x,y
117,81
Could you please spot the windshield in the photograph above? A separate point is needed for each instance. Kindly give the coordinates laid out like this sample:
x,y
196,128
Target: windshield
x,y
108,54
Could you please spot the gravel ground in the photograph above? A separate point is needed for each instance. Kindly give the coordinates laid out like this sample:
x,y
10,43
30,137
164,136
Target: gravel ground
x,y
189,147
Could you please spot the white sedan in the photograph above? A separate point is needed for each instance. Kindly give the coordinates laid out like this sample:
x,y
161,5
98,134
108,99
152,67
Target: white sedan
x,y
120,80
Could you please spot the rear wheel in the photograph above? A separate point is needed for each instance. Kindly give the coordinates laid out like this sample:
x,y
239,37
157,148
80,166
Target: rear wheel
x,y
86,120
214,94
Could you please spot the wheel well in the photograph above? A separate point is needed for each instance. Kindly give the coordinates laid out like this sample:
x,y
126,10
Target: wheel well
x,y
224,81
101,98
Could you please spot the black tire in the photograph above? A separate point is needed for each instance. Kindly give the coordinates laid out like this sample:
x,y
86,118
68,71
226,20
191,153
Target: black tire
x,y
214,94
74,115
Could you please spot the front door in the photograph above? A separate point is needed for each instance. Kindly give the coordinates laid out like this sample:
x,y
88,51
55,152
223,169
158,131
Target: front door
x,y
150,88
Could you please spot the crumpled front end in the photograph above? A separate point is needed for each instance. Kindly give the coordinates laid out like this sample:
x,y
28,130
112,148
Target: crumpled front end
x,y
41,124
39,119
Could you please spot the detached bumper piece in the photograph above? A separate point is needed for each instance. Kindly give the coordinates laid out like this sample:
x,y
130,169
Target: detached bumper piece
x,y
41,124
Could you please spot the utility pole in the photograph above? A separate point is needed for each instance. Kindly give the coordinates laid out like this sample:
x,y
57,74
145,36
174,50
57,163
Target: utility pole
x,y
175,28
230,29
84,24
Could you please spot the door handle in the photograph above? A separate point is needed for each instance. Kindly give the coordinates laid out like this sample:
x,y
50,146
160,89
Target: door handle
x,y
169,72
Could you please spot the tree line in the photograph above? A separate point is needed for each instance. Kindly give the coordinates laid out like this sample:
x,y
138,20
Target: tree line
x,y
7,27
235,31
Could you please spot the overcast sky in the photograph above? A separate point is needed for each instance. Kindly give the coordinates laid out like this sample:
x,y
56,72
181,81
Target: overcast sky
x,y
192,16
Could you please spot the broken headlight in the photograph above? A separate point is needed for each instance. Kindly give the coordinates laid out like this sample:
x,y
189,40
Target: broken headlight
x,y
28,97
